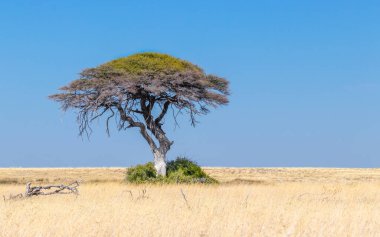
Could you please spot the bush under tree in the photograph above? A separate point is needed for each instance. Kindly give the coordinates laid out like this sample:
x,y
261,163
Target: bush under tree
x,y
181,170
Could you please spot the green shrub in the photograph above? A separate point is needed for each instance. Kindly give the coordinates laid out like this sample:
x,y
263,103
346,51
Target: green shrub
x,y
141,173
181,170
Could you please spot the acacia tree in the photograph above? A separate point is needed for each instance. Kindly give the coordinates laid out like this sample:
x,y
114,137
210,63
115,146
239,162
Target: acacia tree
x,y
139,90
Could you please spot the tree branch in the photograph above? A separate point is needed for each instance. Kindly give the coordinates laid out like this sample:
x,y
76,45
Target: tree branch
x,y
163,112
142,127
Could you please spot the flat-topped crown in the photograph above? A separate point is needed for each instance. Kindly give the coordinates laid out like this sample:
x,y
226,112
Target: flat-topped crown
x,y
149,62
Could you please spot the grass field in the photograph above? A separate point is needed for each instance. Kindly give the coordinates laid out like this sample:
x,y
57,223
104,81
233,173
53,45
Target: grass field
x,y
248,202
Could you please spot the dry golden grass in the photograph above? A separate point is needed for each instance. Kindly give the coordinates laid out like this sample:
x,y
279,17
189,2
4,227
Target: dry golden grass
x,y
225,175
274,202
57,175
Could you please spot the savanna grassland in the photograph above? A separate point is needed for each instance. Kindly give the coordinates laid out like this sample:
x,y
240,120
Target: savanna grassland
x,y
248,202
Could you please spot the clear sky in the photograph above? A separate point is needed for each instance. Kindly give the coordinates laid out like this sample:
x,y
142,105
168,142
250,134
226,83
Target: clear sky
x,y
305,79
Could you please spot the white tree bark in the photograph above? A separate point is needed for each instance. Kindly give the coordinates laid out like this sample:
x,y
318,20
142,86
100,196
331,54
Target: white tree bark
x,y
160,162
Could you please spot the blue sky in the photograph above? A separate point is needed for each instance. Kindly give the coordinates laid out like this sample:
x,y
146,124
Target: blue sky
x,y
304,75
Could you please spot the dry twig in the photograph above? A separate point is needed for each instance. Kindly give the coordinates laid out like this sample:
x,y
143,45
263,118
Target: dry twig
x,y
142,195
184,197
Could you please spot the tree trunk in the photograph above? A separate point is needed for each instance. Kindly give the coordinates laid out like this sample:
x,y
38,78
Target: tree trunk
x,y
160,162
154,126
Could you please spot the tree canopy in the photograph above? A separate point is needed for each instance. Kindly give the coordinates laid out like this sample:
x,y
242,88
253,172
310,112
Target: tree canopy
x,y
138,64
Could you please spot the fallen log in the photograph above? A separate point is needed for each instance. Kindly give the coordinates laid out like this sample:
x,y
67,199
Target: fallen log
x,y
45,190
55,189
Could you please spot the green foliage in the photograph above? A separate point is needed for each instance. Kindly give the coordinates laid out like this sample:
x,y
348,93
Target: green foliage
x,y
181,170
185,168
141,173
140,63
